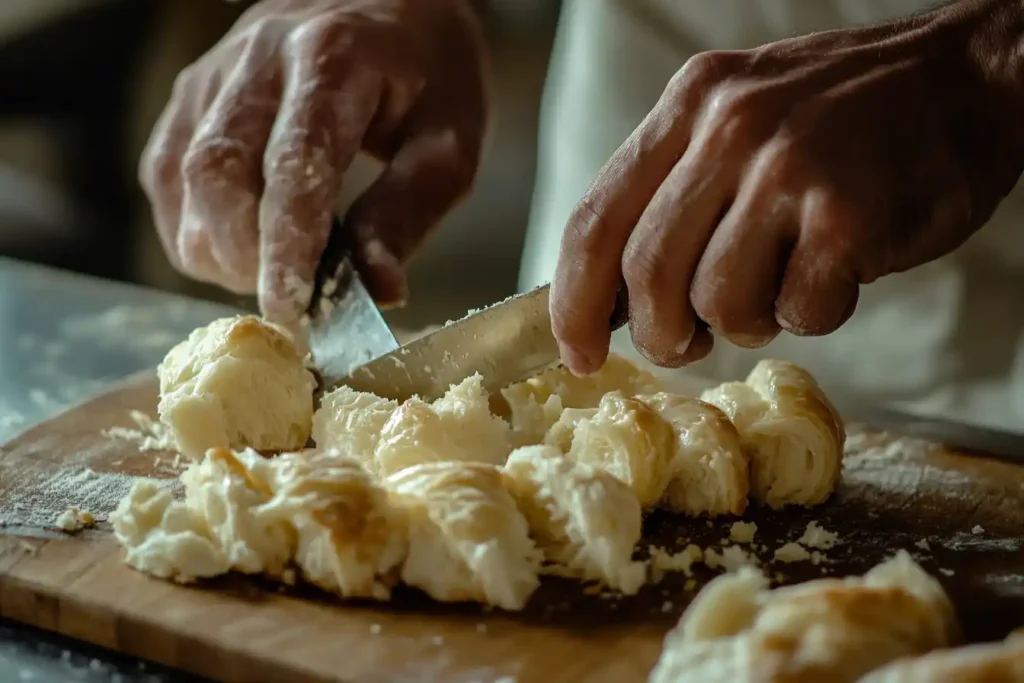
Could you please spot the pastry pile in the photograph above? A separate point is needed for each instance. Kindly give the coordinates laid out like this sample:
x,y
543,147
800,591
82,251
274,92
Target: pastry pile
x,y
448,496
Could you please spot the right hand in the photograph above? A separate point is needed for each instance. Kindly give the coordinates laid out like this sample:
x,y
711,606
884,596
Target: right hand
x,y
246,163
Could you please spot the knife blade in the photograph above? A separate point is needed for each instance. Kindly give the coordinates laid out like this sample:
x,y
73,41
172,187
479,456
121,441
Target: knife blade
x,y
506,343
345,327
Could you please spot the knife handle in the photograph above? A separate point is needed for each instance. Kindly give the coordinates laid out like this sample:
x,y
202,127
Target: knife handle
x,y
620,312
335,270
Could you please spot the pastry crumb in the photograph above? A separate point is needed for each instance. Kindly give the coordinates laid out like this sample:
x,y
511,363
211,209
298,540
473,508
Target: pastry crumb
x,y
742,532
946,572
375,629
791,552
662,562
730,559
923,544
978,529
815,536
73,519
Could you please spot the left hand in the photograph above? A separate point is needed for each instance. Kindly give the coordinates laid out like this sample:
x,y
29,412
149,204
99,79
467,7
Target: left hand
x,y
767,185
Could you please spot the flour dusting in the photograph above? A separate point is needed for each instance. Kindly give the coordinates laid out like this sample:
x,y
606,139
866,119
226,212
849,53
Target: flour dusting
x,y
84,489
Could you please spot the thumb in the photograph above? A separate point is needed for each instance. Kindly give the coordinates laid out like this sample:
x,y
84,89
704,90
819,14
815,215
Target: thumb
x,y
432,170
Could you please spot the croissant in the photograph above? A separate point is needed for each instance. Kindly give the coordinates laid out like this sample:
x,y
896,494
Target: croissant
x,y
467,539
351,540
458,426
536,403
836,630
624,437
351,422
985,663
790,429
582,517
709,470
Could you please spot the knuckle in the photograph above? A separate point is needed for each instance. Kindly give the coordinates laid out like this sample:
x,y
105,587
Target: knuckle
x,y
587,231
318,36
648,269
733,114
211,158
700,71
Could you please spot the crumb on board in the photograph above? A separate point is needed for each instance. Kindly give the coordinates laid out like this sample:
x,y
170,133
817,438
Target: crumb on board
x,y
742,532
815,536
374,629
978,529
946,572
73,519
923,544
791,552
662,562
730,559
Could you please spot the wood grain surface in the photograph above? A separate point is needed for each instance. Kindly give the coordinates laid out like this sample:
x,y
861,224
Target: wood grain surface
x,y
894,494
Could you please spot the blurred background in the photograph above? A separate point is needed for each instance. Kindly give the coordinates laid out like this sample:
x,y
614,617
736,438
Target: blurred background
x,y
84,80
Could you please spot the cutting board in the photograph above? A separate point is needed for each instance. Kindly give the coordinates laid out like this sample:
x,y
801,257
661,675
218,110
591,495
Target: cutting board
x,y
895,493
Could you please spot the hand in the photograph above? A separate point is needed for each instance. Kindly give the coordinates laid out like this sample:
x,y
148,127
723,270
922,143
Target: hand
x,y
246,163
767,185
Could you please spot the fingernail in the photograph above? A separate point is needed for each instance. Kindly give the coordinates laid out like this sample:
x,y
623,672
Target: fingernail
x,y
578,363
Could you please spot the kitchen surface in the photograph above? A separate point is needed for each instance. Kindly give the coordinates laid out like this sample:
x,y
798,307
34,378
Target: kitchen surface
x,y
63,338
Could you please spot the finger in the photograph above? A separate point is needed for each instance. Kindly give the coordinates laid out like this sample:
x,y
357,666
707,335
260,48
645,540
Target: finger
x,y
160,168
701,344
589,266
738,278
433,168
328,104
224,165
819,289
661,255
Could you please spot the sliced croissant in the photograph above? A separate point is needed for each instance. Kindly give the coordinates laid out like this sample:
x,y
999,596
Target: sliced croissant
x,y
709,472
467,539
626,438
793,434
582,517
983,663
537,403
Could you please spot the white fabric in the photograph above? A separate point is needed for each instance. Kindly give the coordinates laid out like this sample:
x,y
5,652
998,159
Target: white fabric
x,y
945,339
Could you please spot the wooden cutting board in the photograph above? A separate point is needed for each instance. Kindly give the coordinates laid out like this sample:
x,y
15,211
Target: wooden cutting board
x,y
894,493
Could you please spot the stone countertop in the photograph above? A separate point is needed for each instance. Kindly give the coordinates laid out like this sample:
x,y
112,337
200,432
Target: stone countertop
x,y
63,338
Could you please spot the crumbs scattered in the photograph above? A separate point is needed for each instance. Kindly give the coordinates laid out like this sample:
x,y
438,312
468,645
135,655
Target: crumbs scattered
x,y
730,559
978,529
742,532
662,562
815,536
791,552
946,572
922,544
149,436
73,519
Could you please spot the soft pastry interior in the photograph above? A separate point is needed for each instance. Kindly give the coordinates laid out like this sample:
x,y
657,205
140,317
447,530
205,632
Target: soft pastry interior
x,y
737,630
236,383
466,497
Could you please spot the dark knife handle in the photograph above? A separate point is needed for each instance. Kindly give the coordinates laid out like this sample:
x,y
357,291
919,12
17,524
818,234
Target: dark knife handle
x,y
335,271
620,312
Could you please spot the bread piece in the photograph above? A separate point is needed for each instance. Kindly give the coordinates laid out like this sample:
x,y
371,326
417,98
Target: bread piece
x,y
458,426
166,538
350,422
626,438
350,539
793,434
582,517
537,403
709,472
229,491
833,630
236,383
467,539
985,663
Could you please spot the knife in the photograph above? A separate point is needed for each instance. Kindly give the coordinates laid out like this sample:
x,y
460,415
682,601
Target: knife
x,y
346,328
506,343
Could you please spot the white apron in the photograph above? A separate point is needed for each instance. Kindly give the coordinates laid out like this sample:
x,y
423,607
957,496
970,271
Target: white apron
x,y
945,339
